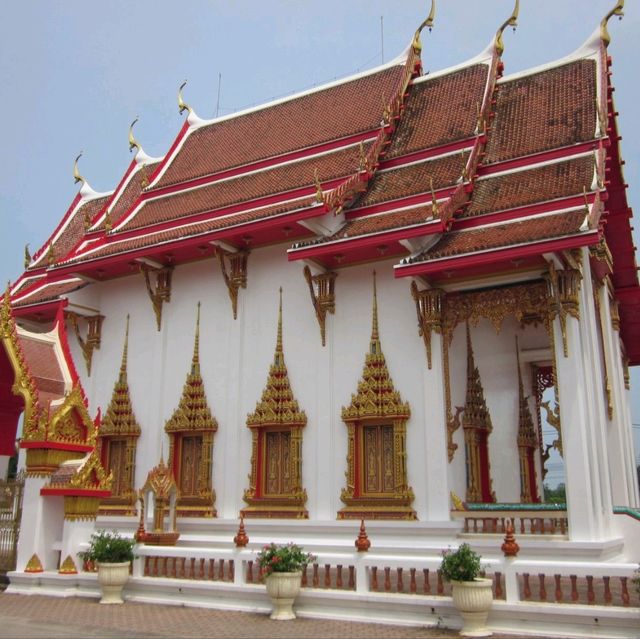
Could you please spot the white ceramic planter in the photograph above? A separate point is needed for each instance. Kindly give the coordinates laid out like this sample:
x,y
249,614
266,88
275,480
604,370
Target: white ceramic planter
x,y
112,578
283,588
473,600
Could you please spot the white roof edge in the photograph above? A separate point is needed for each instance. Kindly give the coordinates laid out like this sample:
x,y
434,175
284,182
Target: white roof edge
x,y
588,49
484,57
143,158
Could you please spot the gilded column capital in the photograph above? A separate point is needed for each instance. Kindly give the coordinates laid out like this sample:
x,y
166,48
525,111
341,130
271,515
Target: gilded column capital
x,y
563,296
429,308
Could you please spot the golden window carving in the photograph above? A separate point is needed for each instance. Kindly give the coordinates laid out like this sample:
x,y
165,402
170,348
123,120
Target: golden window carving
x,y
116,445
191,429
275,482
376,429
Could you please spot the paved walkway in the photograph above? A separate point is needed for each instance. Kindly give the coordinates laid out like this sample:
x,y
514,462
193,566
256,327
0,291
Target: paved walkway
x,y
39,617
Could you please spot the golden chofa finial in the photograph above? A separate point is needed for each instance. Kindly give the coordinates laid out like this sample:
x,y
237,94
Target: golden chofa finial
x,y
511,21
319,193
182,105
417,45
133,143
616,11
76,173
434,201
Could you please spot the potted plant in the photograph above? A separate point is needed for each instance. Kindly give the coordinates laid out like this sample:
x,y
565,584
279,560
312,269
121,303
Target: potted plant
x,y
112,554
282,567
472,594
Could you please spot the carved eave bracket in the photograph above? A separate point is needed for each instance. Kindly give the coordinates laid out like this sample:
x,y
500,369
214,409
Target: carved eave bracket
x,y
429,310
323,297
93,338
235,275
563,291
161,292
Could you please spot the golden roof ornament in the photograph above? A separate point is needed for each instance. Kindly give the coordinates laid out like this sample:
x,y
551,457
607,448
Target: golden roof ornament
x,y
133,143
417,45
319,194
278,406
27,256
434,202
182,105
193,413
616,11
376,396
119,418
76,172
511,21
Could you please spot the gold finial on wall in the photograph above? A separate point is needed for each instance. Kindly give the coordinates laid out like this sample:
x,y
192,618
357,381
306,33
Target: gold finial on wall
x,y
616,11
511,21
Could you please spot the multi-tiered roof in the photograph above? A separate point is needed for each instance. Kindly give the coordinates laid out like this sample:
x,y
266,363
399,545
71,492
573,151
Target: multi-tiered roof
x,y
464,171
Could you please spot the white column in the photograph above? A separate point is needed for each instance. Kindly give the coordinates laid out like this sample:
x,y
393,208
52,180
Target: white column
x,y
436,455
624,484
75,533
41,525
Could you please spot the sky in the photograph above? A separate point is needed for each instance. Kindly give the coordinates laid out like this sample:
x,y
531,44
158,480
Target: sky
x,y
75,73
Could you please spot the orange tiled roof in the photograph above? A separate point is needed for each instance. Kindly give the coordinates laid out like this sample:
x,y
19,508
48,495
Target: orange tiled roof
x,y
50,292
44,367
521,188
502,235
348,108
545,110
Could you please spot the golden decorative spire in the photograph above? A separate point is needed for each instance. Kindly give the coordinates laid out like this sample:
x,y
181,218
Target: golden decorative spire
x,y
182,105
76,172
27,256
193,413
616,11
417,45
376,396
133,143
476,413
277,406
526,431
434,202
119,418
511,21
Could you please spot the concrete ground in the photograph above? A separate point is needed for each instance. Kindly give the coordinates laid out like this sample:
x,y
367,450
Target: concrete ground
x,y
40,617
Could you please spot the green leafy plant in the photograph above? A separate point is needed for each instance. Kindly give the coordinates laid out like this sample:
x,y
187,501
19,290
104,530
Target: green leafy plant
x,y
108,548
283,558
460,565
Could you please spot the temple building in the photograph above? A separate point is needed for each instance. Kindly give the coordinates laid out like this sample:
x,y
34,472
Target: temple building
x,y
446,263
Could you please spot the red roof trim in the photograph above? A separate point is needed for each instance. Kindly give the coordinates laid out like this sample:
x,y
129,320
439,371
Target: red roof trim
x,y
169,156
425,154
57,446
114,197
48,309
588,238
75,492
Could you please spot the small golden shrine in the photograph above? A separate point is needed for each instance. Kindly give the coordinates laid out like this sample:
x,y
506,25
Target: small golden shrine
x,y
275,488
83,483
376,422
158,499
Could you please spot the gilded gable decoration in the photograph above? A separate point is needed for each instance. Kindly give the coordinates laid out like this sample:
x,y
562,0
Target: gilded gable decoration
x,y
376,428
236,277
323,297
275,482
93,338
161,292
476,423
116,444
191,429
527,443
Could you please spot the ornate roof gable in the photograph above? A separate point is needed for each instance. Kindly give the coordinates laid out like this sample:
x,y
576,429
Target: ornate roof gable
x,y
476,413
376,396
278,406
193,413
119,418
160,481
